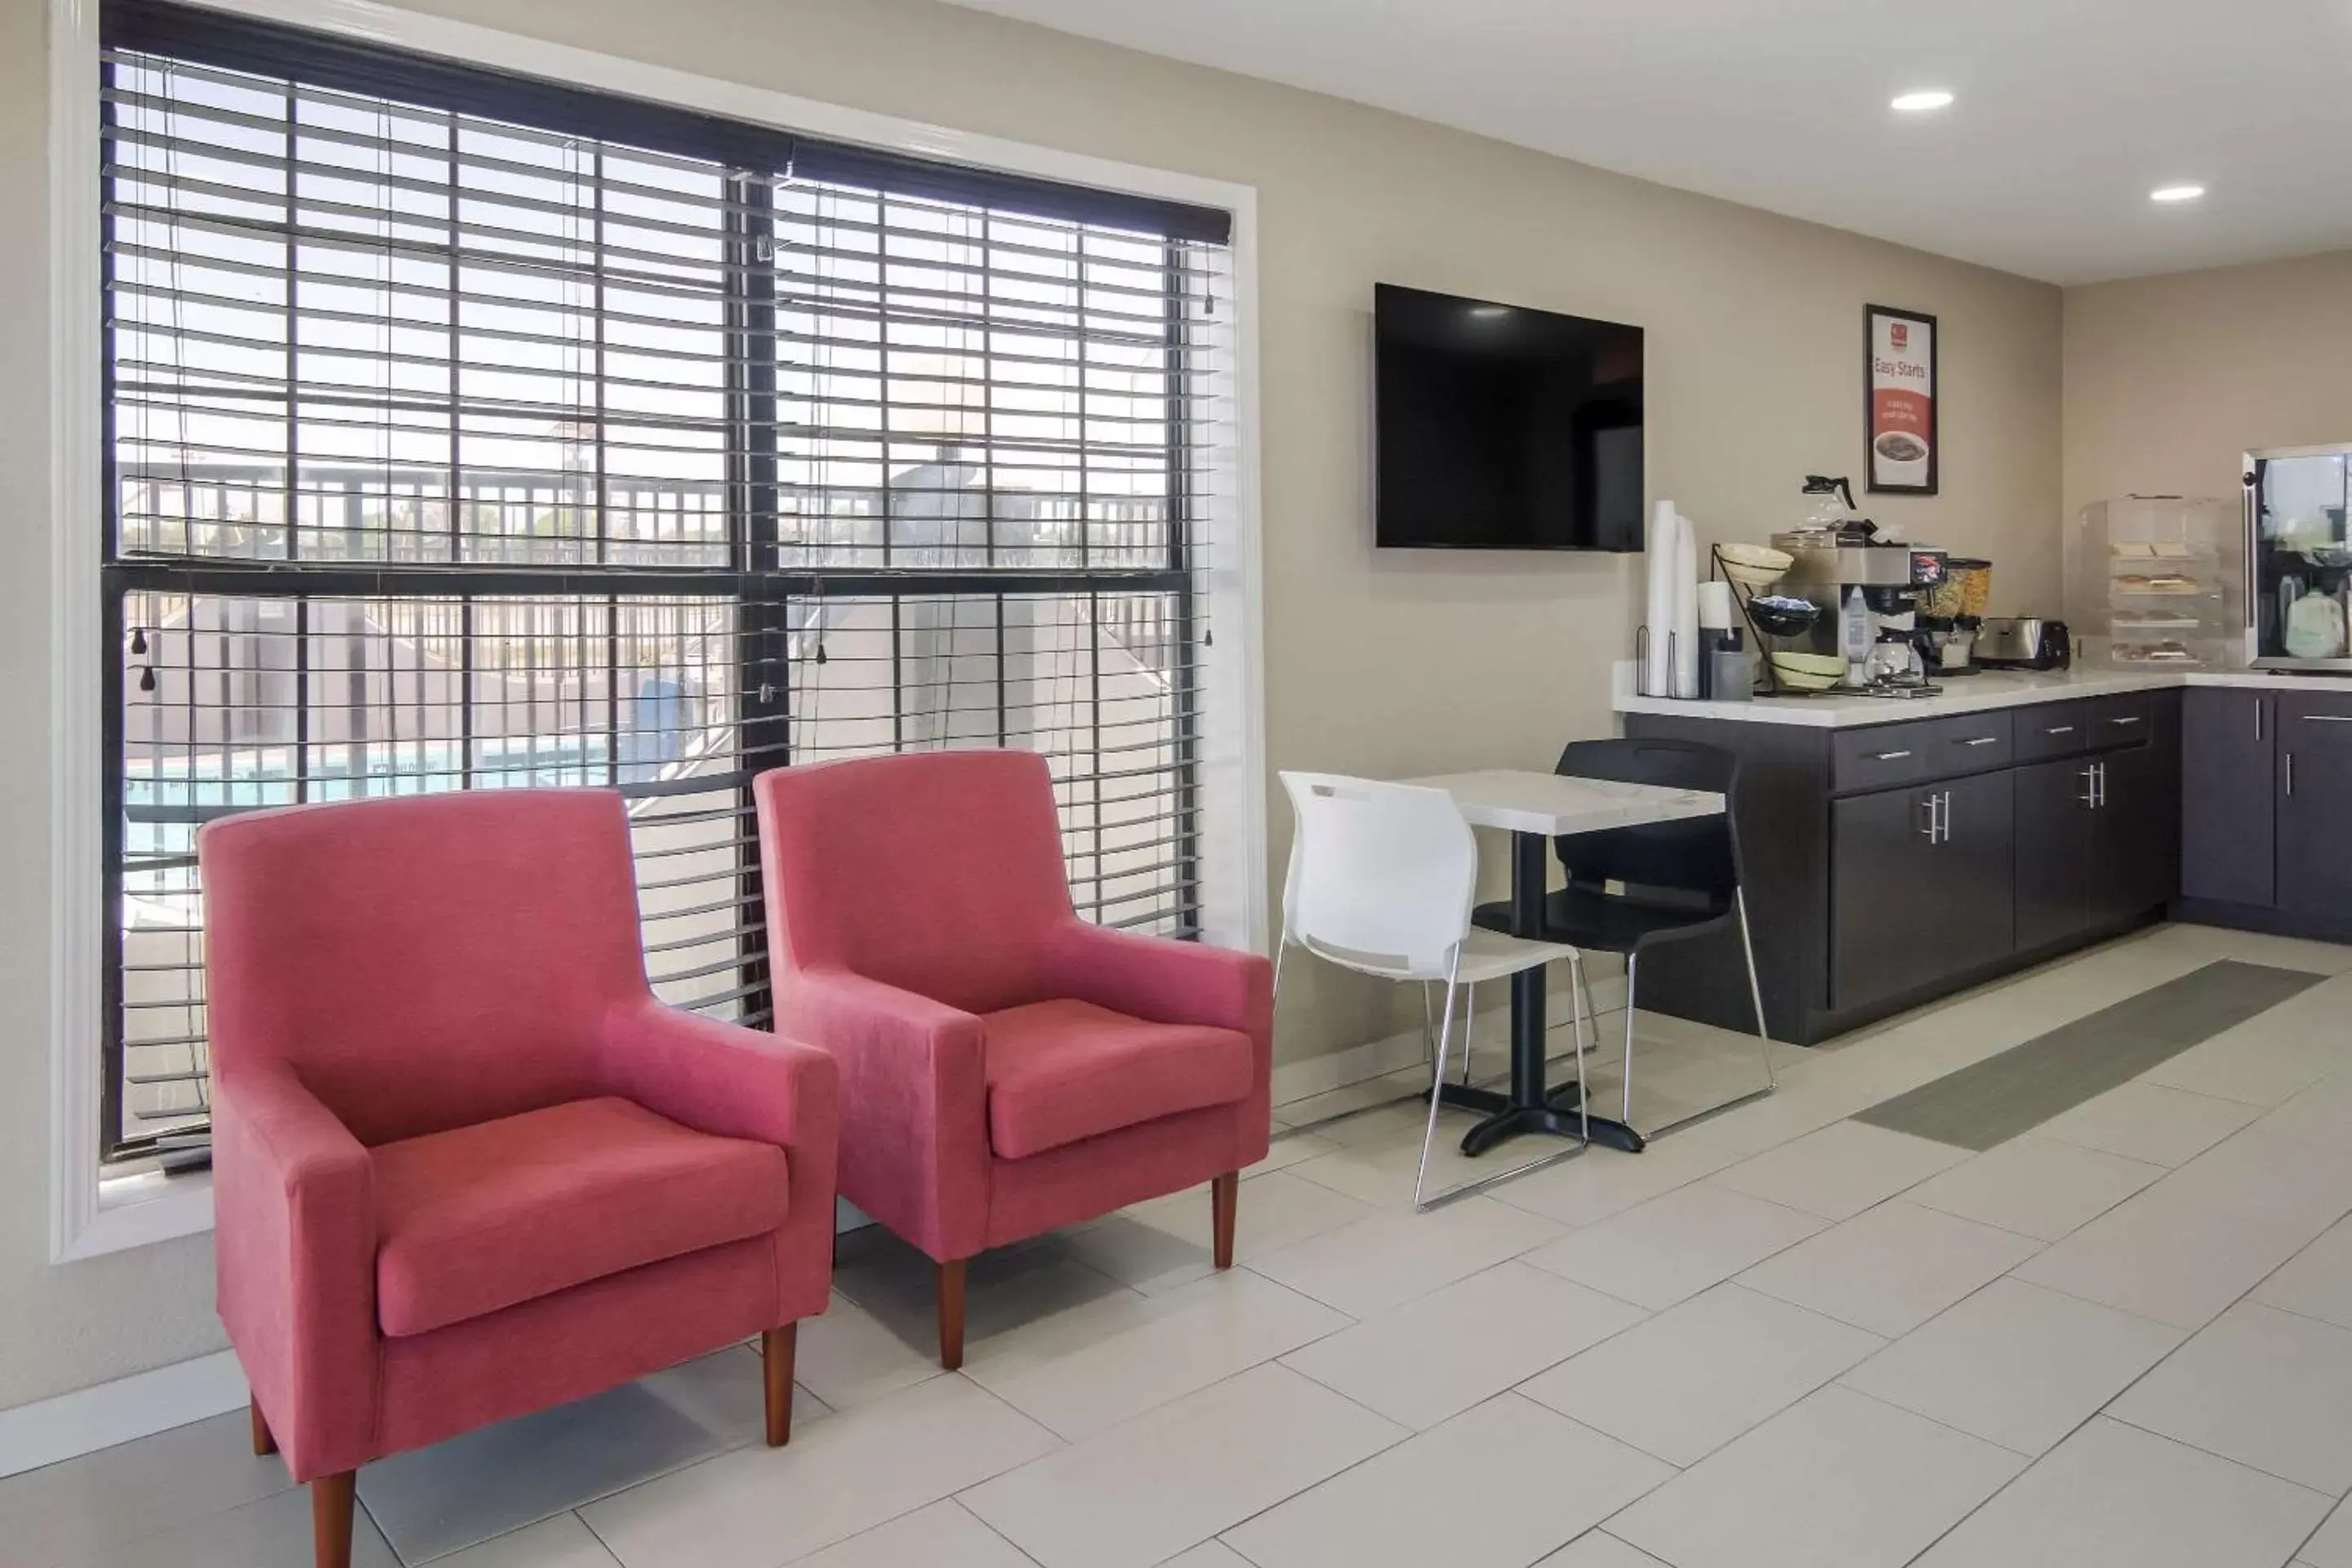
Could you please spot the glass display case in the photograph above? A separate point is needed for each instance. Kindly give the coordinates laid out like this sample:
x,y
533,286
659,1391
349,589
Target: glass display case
x,y
2298,566
2153,582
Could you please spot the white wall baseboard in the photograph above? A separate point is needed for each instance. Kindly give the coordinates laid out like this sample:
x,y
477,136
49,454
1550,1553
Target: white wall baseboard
x,y
105,1414
1295,1081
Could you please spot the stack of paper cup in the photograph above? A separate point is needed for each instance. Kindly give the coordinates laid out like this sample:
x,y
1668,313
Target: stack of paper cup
x,y
1658,615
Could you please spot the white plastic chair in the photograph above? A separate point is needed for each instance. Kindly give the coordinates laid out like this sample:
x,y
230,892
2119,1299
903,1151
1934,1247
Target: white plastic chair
x,y
1382,879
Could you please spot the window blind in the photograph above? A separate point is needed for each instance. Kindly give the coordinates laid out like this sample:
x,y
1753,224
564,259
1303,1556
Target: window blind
x,y
466,431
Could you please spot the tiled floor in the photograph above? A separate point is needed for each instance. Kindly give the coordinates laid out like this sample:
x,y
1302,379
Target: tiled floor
x,y
1780,1337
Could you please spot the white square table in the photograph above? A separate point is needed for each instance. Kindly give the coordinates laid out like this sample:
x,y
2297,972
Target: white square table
x,y
1536,808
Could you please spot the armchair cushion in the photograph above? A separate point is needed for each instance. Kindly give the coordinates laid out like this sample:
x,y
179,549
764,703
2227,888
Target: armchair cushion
x,y
481,1217
1063,1070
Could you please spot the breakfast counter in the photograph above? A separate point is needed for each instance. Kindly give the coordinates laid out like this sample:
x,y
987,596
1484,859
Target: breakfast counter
x,y
1980,693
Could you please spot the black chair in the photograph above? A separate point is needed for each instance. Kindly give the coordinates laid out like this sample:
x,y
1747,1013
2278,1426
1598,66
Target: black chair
x,y
1633,888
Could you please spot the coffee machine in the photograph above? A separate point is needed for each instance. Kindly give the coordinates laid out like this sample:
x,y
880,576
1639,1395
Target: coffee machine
x,y
1834,567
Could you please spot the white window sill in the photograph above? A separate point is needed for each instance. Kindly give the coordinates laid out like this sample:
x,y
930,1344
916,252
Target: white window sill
x,y
140,1209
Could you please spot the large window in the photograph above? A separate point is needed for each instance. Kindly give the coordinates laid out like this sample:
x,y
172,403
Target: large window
x,y
470,432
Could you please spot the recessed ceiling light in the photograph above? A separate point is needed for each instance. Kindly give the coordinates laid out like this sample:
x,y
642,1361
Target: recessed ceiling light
x,y
1490,309
2182,192
1923,101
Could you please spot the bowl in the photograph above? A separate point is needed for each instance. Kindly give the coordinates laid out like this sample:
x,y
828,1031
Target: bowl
x,y
1808,672
1754,565
1780,617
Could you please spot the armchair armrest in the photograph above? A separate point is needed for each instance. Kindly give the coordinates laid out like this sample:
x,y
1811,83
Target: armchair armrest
x,y
294,1198
723,1078
1163,980
915,1102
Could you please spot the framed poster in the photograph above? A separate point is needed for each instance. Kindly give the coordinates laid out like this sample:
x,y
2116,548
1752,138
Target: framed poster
x,y
1901,409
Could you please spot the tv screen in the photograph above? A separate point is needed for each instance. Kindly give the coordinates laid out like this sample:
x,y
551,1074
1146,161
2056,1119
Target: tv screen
x,y
1504,428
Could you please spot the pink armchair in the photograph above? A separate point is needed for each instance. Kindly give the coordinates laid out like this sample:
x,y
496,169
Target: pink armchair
x,y
465,1166
1006,1067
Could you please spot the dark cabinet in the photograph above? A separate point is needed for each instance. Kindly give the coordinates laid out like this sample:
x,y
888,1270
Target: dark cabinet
x,y
2228,784
2314,806
2054,850
1920,885
2096,843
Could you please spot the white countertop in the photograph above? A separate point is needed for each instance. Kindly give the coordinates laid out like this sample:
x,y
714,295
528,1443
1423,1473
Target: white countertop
x,y
1965,694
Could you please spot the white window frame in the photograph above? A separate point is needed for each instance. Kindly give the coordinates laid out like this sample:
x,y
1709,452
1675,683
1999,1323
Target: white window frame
x,y
93,1212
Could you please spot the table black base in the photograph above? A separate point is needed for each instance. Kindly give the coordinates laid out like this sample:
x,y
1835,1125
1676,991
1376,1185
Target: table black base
x,y
1506,1118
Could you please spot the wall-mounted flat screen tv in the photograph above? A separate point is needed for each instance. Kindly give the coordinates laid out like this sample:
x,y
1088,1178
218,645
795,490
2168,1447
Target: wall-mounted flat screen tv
x,y
1504,428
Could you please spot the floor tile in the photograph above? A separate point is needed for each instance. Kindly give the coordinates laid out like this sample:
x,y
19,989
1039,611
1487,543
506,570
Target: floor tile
x,y
1143,1491
167,1482
270,1531
1892,1268
1805,1105
1599,1549
1496,1486
1158,1244
1394,1257
432,1501
2269,1060
2266,1388
1208,1555
1437,1356
1287,1150
563,1542
845,1474
2316,1281
1604,1182
1840,1170
2300,1182
2322,1113
2141,1121
944,1535
1088,1369
1697,1376
849,1356
2035,1186
2016,1364
1382,1171
2331,1545
1838,1480
1005,1290
2112,1496
1673,1247
2156,1257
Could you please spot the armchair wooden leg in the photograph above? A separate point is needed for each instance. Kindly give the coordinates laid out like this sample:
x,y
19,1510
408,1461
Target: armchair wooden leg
x,y
776,1347
951,1314
263,1443
331,1519
1224,1201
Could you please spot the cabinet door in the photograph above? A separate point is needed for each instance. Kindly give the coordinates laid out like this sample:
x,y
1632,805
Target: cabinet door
x,y
2315,825
2229,796
1971,880
2130,869
2052,852
1881,935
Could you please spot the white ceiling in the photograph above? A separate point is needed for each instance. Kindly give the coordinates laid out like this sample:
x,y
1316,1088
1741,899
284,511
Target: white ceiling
x,y
2069,112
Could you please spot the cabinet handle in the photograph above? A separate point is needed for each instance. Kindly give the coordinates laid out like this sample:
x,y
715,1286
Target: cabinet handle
x,y
2090,796
1888,756
1928,832
2258,718
2327,718
1981,741
2133,720
2102,784
2059,730
1948,816
2290,775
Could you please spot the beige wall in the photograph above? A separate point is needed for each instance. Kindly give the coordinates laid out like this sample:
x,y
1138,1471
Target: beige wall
x,y
2171,380
1380,664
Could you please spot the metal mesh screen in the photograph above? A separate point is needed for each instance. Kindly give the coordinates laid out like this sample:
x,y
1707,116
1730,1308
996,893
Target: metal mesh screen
x,y
446,453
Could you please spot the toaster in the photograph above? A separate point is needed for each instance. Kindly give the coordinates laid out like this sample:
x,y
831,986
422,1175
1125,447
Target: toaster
x,y
2025,642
